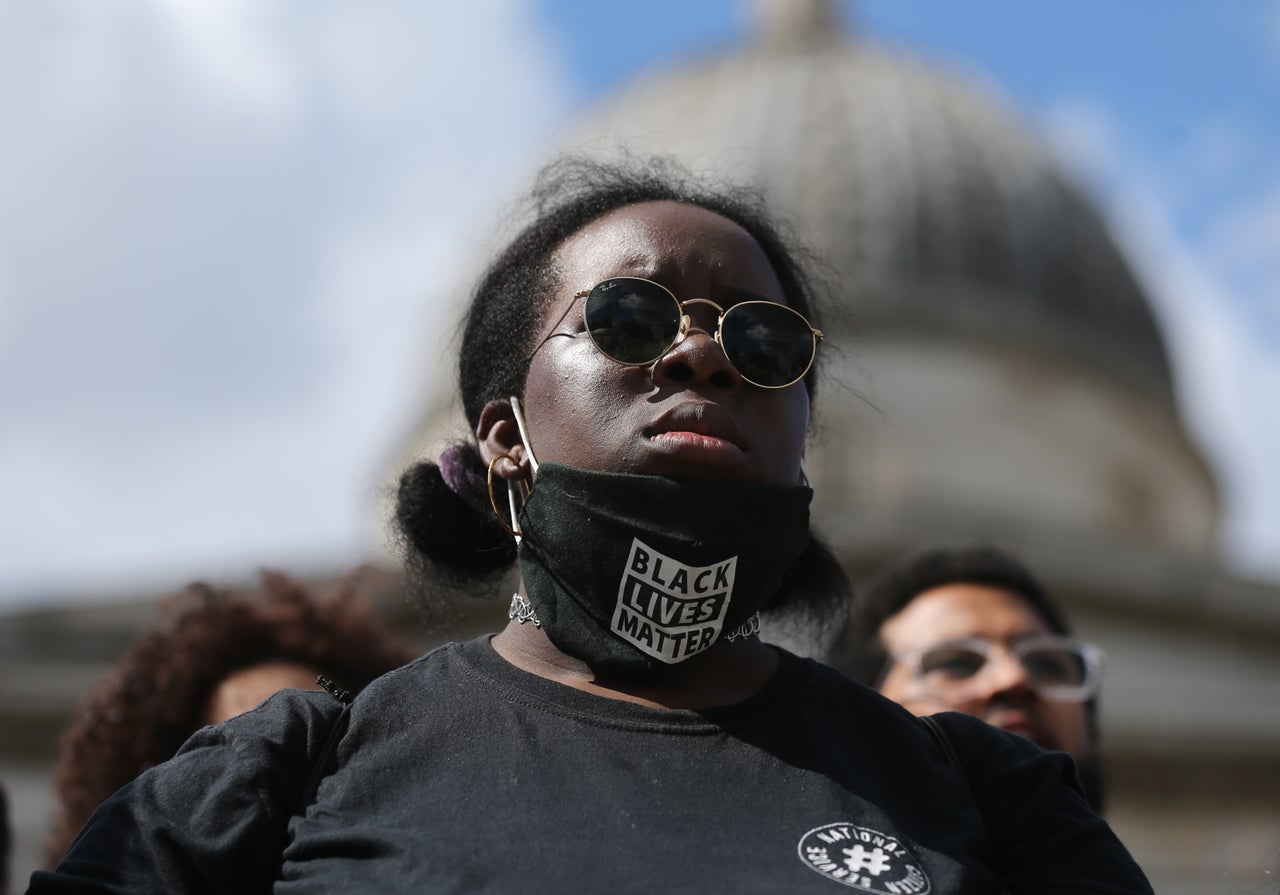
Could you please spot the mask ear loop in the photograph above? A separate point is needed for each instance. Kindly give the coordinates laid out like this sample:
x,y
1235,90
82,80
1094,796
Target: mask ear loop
x,y
514,528
804,475
524,433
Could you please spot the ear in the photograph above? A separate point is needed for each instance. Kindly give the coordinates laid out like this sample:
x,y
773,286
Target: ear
x,y
498,434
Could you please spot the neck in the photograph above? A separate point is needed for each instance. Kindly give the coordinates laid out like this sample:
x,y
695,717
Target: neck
x,y
724,674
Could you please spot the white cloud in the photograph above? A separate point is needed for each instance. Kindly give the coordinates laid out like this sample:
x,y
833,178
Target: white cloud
x,y
1211,296
235,48
5,299
1081,135
222,225
1245,242
1231,385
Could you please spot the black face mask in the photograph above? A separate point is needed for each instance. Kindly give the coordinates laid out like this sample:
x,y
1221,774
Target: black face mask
x,y
635,572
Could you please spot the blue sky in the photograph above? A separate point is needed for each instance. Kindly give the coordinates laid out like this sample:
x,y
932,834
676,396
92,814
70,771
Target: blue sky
x,y
228,229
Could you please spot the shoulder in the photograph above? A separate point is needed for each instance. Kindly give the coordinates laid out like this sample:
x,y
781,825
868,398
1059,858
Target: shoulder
x,y
849,712
213,817
288,712
1044,835
969,730
993,757
1003,769
828,685
290,727
259,761
431,675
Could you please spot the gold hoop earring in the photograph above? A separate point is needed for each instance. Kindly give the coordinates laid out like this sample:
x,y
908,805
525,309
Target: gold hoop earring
x,y
513,528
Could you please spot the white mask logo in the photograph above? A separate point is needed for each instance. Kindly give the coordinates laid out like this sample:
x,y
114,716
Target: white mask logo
x,y
670,610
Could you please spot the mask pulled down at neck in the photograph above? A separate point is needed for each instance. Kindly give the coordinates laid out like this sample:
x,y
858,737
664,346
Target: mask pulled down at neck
x,y
632,572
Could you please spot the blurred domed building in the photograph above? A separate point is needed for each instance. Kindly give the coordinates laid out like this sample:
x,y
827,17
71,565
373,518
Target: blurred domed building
x,y
1010,368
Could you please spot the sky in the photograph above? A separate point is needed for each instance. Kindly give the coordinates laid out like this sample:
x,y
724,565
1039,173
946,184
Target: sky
x,y
231,232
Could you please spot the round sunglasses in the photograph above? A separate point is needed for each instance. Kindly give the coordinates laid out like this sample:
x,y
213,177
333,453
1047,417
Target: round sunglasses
x,y
635,321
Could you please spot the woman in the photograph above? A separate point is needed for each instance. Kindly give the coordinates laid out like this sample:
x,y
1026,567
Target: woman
x,y
210,655
628,730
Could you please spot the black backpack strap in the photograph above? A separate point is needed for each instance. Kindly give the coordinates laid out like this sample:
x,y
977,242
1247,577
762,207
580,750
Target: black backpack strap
x,y
320,767
948,751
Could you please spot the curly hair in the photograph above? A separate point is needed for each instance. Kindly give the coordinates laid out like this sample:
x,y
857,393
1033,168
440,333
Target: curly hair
x,y
143,709
442,517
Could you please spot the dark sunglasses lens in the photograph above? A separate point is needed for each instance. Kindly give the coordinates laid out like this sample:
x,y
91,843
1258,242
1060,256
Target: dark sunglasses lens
x,y
771,345
632,321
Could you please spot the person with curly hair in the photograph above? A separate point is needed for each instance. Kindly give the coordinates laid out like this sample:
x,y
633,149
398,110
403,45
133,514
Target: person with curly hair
x,y
636,368
212,654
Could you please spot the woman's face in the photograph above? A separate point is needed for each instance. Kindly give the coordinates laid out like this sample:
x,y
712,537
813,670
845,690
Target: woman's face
x,y
690,415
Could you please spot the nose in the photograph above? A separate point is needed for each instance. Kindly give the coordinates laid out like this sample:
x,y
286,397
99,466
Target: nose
x,y
697,359
1006,674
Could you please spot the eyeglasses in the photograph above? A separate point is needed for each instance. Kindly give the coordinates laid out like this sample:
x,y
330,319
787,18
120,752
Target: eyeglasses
x,y
635,321
1058,668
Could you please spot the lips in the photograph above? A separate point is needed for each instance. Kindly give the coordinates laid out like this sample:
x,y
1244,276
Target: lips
x,y
699,418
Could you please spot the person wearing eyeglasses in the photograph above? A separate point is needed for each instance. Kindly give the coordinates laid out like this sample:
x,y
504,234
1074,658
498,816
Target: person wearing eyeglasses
x,y
970,629
636,368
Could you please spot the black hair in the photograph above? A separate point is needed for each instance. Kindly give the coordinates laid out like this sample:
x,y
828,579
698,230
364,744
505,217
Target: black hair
x,y
442,515
863,653
894,587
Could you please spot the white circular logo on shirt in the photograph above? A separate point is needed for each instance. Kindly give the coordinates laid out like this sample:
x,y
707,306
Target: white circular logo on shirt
x,y
864,859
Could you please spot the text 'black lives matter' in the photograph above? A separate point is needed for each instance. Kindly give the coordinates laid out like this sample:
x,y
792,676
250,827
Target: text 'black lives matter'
x,y
668,609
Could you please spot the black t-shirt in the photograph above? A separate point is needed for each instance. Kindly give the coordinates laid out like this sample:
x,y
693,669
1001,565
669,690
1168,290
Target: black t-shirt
x,y
462,773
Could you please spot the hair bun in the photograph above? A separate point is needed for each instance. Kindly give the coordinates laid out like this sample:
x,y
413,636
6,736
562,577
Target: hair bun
x,y
442,524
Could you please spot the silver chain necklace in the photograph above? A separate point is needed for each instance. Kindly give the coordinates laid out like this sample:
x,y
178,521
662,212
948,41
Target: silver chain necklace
x,y
522,611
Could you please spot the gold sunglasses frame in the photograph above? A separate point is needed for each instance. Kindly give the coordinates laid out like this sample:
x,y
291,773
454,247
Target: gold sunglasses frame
x,y
686,324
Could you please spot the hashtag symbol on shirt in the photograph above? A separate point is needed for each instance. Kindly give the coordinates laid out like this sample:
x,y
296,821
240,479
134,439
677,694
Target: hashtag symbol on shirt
x,y
873,861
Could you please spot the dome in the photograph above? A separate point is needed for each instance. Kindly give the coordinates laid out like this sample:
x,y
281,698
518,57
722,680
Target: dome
x,y
980,300
935,206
